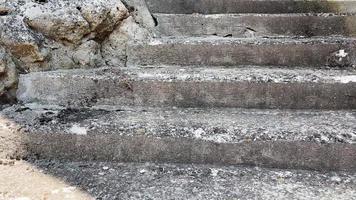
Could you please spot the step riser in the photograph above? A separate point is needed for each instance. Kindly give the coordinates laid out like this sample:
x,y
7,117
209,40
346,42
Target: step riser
x,y
300,155
255,25
67,90
242,6
205,53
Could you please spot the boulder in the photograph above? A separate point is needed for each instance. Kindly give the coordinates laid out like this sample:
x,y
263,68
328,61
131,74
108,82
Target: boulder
x,y
65,24
21,42
114,47
103,16
8,77
69,22
88,55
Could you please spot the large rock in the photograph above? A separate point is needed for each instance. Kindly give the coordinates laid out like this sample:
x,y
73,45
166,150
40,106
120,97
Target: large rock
x,y
22,43
114,48
70,22
63,34
88,55
141,14
61,24
103,16
8,77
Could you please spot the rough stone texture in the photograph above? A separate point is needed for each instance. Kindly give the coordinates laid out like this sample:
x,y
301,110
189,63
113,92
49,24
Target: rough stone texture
x,y
103,16
141,13
114,49
68,21
171,181
321,140
8,77
88,54
249,87
50,35
21,42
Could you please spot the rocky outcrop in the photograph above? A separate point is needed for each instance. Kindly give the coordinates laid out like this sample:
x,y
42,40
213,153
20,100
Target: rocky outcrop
x,y
114,47
62,34
21,42
72,21
8,77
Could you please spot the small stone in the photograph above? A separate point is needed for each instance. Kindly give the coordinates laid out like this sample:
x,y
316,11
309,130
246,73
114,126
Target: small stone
x,y
105,168
214,172
336,179
340,59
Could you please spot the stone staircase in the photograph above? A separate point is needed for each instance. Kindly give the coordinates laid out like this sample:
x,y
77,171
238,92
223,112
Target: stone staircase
x,y
228,82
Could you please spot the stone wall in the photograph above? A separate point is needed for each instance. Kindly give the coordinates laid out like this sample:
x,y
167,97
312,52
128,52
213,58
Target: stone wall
x,y
39,35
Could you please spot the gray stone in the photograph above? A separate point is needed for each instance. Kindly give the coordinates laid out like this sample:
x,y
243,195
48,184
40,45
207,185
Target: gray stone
x,y
239,6
22,43
241,25
115,46
141,13
249,87
217,51
8,77
88,55
63,25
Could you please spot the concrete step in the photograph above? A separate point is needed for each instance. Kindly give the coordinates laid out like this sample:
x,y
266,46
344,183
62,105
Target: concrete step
x,y
250,25
250,6
217,51
107,181
302,139
249,87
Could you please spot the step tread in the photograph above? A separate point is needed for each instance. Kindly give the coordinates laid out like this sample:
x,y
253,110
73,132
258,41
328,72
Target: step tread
x,y
200,74
252,14
217,40
219,125
172,181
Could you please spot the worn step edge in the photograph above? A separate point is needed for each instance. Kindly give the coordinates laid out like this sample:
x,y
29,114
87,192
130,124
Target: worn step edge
x,y
251,25
271,138
193,87
256,6
218,51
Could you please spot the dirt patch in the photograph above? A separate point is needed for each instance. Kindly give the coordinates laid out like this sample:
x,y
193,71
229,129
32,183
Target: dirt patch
x,y
26,182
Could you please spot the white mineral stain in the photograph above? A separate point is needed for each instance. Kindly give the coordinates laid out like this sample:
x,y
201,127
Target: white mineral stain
x,y
346,79
342,53
78,130
198,133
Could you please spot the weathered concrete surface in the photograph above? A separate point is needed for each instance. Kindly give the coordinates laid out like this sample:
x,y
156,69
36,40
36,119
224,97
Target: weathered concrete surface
x,y
248,87
253,25
254,6
109,181
319,140
216,51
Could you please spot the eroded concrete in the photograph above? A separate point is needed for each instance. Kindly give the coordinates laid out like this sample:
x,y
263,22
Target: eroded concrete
x,y
248,87
319,140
